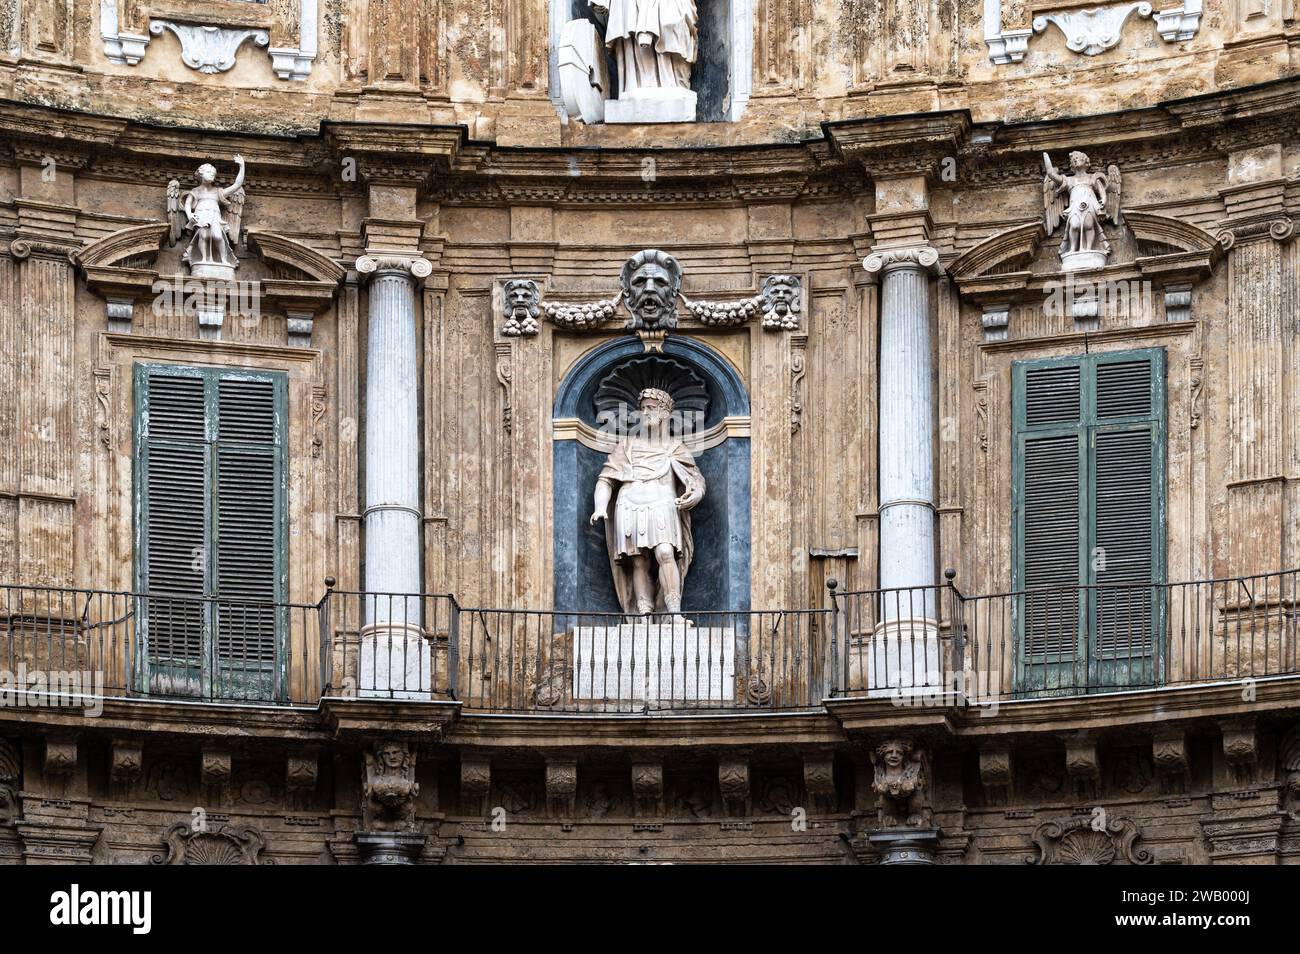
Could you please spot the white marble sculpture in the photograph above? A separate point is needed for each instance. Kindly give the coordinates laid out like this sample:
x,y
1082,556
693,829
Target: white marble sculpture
x,y
653,43
652,483
212,214
1084,199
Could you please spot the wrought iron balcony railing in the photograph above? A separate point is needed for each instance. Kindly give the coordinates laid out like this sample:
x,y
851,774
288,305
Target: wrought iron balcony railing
x,y
61,645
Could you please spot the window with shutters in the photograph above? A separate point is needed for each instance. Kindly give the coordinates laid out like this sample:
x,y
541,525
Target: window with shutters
x,y
1088,495
210,519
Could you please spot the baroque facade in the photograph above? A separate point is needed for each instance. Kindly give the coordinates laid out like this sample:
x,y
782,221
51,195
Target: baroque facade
x,y
839,431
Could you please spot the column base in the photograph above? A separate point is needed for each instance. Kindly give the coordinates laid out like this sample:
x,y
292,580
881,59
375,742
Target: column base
x,y
900,658
905,846
395,663
389,847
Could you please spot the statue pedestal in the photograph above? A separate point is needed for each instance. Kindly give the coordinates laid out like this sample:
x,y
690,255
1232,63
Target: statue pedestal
x,y
389,847
1083,261
905,846
652,106
654,662
902,657
395,662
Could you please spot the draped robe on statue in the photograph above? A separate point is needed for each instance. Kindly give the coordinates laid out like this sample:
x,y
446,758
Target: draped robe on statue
x,y
666,62
647,478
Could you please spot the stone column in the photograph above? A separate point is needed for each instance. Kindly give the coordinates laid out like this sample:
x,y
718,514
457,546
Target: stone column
x,y
395,658
905,650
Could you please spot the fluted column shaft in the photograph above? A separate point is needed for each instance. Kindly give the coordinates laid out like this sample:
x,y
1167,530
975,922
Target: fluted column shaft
x,y
907,523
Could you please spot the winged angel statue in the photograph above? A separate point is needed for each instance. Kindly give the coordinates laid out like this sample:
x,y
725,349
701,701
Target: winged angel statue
x,y
213,214
1084,199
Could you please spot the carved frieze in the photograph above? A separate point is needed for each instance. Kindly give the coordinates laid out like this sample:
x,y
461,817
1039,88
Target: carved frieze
x,y
650,288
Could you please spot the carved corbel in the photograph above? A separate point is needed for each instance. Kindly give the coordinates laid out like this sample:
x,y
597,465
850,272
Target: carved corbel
x,y
475,785
648,789
561,787
126,763
1082,767
215,773
819,782
60,757
733,783
10,776
1169,753
301,772
1288,768
1241,750
995,774
389,788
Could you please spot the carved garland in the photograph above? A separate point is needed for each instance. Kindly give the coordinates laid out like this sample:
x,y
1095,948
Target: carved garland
x,y
779,304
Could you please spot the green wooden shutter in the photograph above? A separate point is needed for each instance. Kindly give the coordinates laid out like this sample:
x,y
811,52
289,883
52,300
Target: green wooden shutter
x,y
1088,503
173,512
1127,547
211,499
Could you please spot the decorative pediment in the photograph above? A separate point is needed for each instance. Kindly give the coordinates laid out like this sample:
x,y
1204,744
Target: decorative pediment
x,y
285,251
1016,245
122,285
128,243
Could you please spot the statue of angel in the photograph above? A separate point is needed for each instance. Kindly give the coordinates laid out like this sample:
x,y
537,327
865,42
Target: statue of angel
x,y
1084,199
212,213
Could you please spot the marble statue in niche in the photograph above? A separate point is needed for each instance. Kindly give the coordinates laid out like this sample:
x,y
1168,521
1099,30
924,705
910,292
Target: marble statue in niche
x,y
1084,199
644,494
212,214
654,44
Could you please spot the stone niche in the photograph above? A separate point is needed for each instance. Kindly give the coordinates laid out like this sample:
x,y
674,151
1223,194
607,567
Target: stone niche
x,y
703,381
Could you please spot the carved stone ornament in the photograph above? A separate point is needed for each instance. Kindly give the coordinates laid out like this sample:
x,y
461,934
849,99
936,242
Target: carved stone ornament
x,y
995,774
209,49
733,785
779,302
1288,768
1241,749
648,788
1088,840
521,307
229,845
127,762
1169,753
651,285
561,787
924,257
475,785
388,788
10,772
901,784
1095,30
60,757
819,782
376,262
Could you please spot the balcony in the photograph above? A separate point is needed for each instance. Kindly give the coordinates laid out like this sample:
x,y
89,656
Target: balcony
x,y
933,644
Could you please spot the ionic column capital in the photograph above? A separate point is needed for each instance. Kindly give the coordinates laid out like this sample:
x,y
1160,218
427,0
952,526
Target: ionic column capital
x,y
885,260
373,263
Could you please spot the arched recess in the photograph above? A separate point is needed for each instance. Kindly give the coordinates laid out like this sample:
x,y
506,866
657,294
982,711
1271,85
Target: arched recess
x,y
719,577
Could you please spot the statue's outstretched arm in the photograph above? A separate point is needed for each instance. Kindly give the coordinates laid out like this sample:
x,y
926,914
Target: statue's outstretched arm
x,y
239,179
